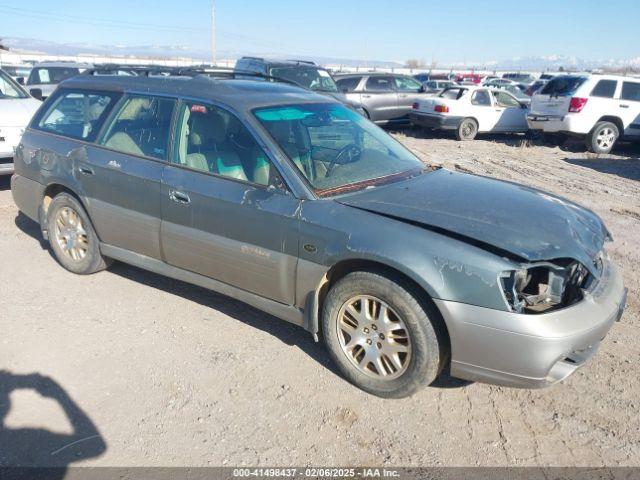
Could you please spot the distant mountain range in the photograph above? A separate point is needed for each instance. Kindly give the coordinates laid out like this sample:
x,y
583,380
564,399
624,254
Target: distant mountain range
x,y
532,63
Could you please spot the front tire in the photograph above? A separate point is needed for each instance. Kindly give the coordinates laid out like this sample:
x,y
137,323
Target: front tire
x,y
73,240
380,336
603,137
467,130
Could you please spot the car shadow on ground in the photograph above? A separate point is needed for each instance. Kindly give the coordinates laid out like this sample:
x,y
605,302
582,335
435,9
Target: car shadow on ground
x,y
40,447
515,139
625,168
288,333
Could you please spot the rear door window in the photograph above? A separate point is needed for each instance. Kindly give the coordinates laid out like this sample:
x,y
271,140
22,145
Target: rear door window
x,y
76,114
481,98
604,89
380,84
562,85
142,126
630,91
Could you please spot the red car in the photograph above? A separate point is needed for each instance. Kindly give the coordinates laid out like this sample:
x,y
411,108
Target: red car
x,y
469,77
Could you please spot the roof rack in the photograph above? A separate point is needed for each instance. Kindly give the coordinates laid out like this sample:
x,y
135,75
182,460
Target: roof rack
x,y
137,70
191,71
306,62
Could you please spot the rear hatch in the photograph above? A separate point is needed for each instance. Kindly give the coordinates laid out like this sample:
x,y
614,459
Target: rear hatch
x,y
553,99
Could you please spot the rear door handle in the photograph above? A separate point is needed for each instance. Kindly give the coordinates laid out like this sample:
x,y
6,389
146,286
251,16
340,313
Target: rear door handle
x,y
179,197
86,170
366,96
624,106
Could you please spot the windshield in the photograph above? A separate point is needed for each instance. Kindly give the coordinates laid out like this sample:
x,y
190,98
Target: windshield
x,y
313,78
565,85
9,88
335,148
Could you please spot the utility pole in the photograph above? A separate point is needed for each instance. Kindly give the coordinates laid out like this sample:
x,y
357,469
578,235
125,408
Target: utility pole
x,y
213,32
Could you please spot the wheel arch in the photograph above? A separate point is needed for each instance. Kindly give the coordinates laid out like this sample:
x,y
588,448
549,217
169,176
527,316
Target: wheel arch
x,y
617,121
343,267
50,192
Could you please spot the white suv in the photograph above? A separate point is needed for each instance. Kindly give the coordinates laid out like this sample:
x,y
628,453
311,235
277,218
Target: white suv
x,y
599,108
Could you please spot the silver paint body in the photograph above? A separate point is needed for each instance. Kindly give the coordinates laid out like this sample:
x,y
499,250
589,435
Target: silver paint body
x,y
247,241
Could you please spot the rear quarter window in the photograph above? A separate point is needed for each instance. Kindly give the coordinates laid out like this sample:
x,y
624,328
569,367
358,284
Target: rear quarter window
x,y
630,91
348,84
566,85
76,114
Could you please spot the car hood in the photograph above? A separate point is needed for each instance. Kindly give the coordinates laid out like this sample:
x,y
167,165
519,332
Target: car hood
x,y
496,215
17,112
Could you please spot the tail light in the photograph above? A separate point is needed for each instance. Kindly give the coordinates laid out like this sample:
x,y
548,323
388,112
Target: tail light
x,y
441,108
415,106
577,104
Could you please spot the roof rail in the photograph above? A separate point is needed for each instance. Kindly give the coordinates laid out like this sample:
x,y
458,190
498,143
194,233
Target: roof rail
x,y
246,57
193,71
306,62
139,70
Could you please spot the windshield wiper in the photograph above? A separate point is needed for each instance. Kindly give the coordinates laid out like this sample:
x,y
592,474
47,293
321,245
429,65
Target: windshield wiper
x,y
414,172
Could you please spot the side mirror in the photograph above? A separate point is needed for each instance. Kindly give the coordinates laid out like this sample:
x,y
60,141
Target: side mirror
x,y
524,106
344,89
36,93
20,80
422,89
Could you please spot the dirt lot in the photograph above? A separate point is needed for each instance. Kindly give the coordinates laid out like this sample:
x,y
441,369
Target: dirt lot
x,y
158,372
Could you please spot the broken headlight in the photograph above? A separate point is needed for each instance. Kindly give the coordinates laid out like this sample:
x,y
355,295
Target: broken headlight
x,y
544,286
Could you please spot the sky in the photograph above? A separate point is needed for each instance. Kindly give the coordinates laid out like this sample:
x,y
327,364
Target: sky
x,y
459,31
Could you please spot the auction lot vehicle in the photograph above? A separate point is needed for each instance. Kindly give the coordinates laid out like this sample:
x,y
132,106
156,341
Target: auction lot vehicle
x,y
386,98
45,76
294,203
471,110
599,108
300,72
16,110
436,86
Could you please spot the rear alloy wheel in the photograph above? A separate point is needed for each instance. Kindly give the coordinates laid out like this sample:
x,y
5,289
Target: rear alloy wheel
x,y
72,237
467,130
381,337
603,137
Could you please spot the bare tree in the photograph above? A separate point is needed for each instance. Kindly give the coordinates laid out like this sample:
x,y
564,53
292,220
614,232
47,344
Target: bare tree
x,y
415,63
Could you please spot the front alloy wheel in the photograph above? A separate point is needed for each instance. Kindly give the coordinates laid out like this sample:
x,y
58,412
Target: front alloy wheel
x,y
383,334
374,337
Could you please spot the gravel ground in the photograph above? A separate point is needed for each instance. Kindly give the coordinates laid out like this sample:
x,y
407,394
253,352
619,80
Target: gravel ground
x,y
154,372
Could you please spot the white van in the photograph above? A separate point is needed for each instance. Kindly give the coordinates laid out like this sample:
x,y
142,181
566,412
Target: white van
x,y
16,109
599,108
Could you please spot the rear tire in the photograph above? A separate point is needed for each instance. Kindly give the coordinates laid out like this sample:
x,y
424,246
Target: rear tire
x,y
467,130
603,137
392,354
73,240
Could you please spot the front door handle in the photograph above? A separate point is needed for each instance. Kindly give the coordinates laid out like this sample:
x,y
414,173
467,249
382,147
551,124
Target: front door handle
x,y
624,106
86,170
179,197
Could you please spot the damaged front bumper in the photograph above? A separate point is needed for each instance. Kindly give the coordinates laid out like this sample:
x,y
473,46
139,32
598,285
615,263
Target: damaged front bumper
x,y
528,350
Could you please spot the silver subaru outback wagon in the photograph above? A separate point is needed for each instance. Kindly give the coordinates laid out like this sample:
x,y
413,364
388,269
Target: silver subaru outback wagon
x,y
293,203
